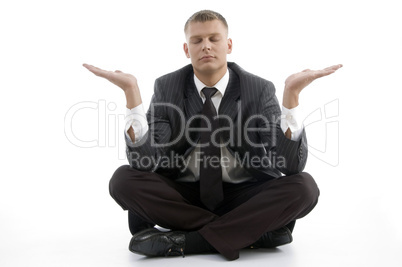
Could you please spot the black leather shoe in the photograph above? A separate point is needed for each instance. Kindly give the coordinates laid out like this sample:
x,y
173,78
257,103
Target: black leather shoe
x,y
154,243
274,239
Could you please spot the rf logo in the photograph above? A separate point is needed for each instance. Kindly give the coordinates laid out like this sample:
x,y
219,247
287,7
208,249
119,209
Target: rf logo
x,y
322,127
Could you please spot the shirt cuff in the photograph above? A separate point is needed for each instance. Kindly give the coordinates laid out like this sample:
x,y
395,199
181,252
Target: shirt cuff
x,y
290,119
136,118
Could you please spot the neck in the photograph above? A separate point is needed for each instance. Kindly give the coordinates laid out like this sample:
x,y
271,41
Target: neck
x,y
211,78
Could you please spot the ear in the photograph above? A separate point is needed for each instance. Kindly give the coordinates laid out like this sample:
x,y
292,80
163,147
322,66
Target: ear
x,y
185,48
230,45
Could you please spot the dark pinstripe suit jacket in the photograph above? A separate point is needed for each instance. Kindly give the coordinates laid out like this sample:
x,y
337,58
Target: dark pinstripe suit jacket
x,y
250,119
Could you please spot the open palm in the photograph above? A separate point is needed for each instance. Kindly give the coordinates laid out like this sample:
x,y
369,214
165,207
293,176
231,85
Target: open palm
x,y
296,82
123,80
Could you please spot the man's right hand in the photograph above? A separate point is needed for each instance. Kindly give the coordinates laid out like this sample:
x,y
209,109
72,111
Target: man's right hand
x,y
125,81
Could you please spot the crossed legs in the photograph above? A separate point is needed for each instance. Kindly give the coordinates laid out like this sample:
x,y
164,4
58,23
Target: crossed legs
x,y
248,211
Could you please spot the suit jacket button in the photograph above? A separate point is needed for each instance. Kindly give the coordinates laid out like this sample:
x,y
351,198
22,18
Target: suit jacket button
x,y
301,153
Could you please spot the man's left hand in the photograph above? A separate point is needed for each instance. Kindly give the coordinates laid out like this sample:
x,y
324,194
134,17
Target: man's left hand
x,y
295,83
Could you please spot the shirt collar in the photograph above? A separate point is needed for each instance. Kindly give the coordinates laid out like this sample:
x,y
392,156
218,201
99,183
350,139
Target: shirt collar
x,y
220,85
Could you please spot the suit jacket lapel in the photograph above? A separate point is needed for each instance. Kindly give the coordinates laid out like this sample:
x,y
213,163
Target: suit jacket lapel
x,y
228,108
192,101
192,106
230,102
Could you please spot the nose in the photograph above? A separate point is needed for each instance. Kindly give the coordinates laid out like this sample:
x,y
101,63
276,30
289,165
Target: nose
x,y
206,45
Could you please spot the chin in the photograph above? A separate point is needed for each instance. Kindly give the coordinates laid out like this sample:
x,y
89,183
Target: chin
x,y
207,67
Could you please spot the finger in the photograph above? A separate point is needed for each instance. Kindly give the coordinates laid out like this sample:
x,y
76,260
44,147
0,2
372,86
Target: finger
x,y
305,70
322,73
334,67
89,66
118,71
101,73
327,71
98,71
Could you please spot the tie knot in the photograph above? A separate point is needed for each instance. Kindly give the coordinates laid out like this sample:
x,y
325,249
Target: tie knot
x,y
209,92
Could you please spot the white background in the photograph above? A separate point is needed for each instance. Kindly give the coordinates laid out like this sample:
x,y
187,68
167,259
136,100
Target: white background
x,y
55,209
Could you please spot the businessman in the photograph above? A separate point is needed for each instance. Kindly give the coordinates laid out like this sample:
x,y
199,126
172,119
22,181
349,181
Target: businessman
x,y
216,159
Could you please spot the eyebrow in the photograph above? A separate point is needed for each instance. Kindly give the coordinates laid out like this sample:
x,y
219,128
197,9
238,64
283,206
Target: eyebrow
x,y
200,36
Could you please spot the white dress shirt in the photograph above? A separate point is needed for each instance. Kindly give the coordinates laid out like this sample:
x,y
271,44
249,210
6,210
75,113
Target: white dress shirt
x,y
231,172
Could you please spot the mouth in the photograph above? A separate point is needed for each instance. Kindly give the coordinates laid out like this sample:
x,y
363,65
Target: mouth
x,y
206,57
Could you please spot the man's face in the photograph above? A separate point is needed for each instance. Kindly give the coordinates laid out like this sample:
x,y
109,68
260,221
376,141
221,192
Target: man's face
x,y
207,46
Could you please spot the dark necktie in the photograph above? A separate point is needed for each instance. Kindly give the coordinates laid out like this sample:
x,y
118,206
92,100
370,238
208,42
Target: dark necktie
x,y
210,166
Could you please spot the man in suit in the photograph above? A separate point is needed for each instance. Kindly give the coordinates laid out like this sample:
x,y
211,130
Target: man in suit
x,y
207,161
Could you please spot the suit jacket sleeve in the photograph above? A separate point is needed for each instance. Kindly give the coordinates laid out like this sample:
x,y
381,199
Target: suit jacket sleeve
x,y
144,155
291,156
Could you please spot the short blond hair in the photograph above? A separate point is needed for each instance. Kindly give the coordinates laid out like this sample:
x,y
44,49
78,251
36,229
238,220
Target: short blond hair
x,y
206,15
